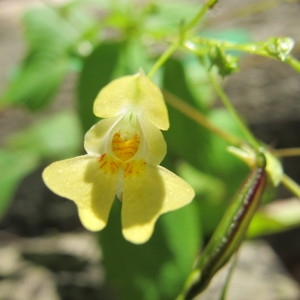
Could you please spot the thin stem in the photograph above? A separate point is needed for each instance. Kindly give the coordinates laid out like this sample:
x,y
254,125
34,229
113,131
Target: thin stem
x,y
208,4
293,62
182,36
195,115
287,152
247,133
191,279
290,184
234,261
163,58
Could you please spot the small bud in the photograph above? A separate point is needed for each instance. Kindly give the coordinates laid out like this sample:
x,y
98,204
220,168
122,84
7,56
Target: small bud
x,y
280,47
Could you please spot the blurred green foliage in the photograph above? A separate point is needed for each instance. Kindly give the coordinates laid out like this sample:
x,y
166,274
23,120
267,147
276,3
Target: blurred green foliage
x,y
99,41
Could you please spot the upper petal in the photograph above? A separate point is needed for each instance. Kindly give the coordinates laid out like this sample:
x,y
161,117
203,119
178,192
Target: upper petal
x,y
80,179
146,196
133,93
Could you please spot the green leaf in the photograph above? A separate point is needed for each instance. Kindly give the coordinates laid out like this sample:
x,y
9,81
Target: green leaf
x,y
210,195
58,137
234,35
185,138
275,217
225,163
184,237
97,71
205,185
14,166
45,27
41,72
155,270
197,80
165,17
37,80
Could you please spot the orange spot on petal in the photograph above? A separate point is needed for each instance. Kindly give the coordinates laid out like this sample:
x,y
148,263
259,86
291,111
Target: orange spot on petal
x,y
125,149
133,168
108,164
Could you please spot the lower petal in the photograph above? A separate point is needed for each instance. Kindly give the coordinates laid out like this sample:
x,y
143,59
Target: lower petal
x,y
82,180
148,195
178,192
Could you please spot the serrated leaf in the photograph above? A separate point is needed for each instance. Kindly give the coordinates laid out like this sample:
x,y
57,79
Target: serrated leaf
x,y
14,166
97,71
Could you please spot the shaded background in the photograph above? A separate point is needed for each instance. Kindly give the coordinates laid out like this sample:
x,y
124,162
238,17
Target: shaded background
x,y
45,253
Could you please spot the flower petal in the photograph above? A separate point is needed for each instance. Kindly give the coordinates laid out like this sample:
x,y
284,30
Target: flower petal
x,y
178,192
80,179
94,140
133,93
146,196
153,146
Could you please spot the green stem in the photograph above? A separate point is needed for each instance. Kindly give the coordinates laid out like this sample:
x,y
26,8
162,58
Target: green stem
x,y
224,293
181,38
199,118
163,58
293,62
290,184
247,133
193,277
286,152
208,4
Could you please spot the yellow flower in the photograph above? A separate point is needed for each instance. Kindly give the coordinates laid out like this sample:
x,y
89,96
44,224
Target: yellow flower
x,y
123,155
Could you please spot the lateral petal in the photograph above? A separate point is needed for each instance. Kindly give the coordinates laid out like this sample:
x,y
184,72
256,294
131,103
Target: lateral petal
x,y
153,146
81,180
146,196
98,137
178,192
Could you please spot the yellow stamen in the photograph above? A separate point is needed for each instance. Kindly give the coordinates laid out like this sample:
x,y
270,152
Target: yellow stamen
x,y
125,149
